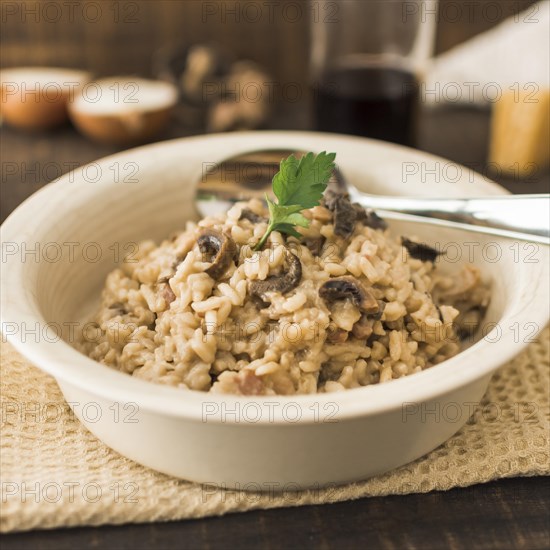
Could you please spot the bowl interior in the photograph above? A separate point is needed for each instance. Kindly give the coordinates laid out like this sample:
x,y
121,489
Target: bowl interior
x,y
101,228
65,239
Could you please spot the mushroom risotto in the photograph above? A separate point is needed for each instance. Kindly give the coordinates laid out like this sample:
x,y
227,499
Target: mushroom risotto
x,y
341,305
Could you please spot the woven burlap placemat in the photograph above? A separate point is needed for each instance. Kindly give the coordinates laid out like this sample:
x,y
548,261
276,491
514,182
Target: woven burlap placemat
x,y
56,473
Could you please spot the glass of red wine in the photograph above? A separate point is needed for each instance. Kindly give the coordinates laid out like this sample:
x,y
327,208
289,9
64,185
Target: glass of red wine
x,y
367,60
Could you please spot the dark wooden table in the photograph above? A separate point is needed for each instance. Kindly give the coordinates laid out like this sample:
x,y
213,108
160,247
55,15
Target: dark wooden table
x,y
512,513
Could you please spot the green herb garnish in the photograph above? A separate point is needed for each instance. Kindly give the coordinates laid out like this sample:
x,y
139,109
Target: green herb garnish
x,y
298,185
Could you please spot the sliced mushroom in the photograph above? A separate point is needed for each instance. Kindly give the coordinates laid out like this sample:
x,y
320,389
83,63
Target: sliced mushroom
x,y
369,217
468,321
219,248
119,308
283,283
329,198
349,288
258,302
345,214
315,245
420,251
247,214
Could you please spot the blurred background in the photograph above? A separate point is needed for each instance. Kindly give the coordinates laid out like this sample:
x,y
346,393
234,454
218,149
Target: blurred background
x,y
125,35
210,52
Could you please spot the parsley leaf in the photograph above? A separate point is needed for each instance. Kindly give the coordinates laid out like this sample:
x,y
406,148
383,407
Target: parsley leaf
x,y
298,185
303,182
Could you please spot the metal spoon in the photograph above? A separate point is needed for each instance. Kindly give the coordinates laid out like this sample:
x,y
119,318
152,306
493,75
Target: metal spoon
x,y
248,175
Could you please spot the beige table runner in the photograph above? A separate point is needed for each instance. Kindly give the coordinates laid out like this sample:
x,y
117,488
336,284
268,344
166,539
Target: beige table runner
x,y
55,473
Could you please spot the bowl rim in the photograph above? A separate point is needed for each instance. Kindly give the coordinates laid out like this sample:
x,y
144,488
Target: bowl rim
x,y
71,367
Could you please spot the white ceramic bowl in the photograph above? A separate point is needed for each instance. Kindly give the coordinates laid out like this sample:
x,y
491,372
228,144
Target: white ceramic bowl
x,y
284,442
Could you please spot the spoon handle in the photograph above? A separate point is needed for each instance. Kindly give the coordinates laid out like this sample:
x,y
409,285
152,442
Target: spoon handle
x,y
527,216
